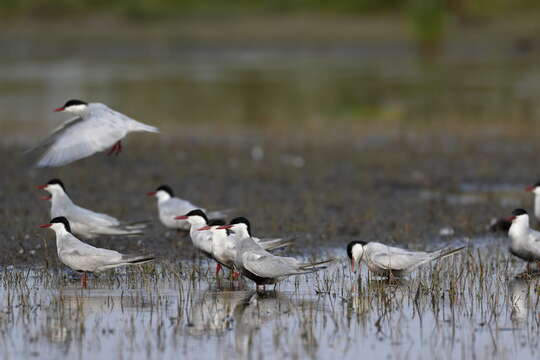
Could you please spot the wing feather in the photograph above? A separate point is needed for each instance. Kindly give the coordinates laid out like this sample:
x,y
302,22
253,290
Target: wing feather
x,y
78,139
268,265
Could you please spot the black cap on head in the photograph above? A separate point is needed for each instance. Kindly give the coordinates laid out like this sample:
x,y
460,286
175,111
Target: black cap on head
x,y
198,212
57,182
536,184
351,245
242,220
62,220
74,102
518,212
165,188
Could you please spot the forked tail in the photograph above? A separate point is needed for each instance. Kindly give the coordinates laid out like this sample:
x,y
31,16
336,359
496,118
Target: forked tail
x,y
316,266
276,243
448,252
137,260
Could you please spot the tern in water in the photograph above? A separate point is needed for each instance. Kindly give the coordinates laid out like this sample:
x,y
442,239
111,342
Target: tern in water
x,y
95,128
504,224
203,240
84,222
224,243
384,260
262,267
85,258
525,242
535,189
170,206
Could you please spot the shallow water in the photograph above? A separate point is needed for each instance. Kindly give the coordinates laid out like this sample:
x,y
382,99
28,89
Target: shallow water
x,y
469,305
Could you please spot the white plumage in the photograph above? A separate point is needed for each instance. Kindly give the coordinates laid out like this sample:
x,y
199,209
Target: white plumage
x,y
83,257
95,128
84,222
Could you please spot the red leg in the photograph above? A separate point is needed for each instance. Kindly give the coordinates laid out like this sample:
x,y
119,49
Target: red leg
x,y
113,149
118,147
218,269
236,275
84,280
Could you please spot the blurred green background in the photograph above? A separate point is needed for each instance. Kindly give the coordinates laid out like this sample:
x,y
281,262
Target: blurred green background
x,y
329,66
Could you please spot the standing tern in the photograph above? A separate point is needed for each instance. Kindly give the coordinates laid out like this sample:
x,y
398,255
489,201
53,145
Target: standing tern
x,y
384,260
84,222
85,258
262,267
95,128
170,206
525,242
504,224
535,189
224,242
202,240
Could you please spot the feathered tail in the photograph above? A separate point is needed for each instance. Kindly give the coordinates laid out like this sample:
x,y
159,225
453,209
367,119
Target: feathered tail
x,y
137,259
316,266
139,126
447,252
273,244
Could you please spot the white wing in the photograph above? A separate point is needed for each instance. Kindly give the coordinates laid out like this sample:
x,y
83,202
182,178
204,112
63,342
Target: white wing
x,y
92,218
393,258
77,139
534,235
266,265
54,134
176,207
82,256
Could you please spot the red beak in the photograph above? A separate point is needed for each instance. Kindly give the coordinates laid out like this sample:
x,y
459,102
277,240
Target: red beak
x,y
529,188
41,187
59,109
181,217
205,228
511,218
153,193
45,225
224,227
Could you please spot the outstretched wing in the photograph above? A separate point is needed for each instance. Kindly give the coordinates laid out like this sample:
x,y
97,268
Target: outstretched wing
x,y
54,134
77,139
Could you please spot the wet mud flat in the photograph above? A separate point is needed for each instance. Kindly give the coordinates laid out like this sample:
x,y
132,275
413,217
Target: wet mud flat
x,y
396,189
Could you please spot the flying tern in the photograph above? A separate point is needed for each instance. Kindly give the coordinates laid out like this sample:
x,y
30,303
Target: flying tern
x,y
95,128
